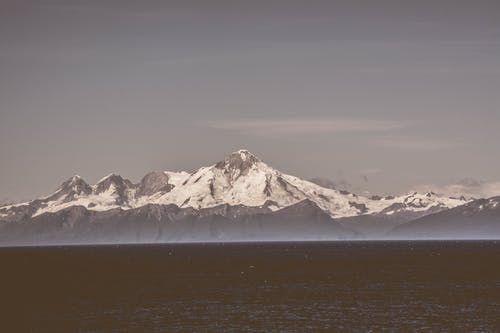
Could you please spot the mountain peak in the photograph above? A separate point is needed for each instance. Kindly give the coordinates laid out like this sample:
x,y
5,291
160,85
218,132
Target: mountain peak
x,y
243,151
244,154
154,182
75,183
111,177
72,187
112,180
239,160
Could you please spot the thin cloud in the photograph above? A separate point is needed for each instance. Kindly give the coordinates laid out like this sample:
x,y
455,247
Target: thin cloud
x,y
415,144
469,188
303,125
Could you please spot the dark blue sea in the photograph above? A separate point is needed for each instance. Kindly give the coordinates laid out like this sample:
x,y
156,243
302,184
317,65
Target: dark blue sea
x,y
398,286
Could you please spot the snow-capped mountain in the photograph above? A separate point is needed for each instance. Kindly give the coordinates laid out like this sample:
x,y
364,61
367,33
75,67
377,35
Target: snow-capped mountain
x,y
479,219
240,179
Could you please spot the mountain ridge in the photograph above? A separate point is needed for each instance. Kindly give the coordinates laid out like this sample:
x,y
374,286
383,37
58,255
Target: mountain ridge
x,y
479,219
239,179
153,223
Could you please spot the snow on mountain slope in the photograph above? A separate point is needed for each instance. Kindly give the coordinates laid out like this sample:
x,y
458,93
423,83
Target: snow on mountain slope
x,y
110,192
478,219
419,202
240,179
243,179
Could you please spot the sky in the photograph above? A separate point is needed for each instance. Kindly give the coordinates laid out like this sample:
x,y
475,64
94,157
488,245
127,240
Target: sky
x,y
386,95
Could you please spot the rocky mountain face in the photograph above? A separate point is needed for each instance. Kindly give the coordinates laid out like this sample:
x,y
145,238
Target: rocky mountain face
x,y
154,182
240,190
116,187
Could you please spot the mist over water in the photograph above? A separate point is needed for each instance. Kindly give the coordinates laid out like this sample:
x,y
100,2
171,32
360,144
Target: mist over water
x,y
445,286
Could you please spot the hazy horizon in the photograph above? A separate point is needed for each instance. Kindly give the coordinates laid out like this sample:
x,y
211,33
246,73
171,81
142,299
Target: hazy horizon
x,y
387,96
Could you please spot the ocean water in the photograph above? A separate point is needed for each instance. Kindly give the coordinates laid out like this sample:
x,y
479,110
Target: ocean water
x,y
420,286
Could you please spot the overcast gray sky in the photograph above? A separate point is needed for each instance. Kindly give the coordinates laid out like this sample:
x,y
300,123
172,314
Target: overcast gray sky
x,y
385,94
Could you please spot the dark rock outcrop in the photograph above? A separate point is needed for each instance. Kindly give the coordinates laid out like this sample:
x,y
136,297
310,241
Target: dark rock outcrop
x,y
154,182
